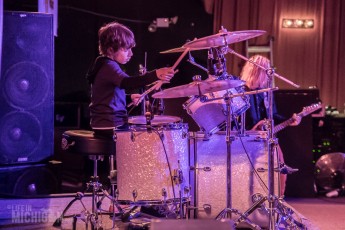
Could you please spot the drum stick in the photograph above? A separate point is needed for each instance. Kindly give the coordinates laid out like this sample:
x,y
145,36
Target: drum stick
x,y
255,91
180,58
159,83
245,93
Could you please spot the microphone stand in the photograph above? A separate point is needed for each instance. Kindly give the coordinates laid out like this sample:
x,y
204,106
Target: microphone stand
x,y
142,71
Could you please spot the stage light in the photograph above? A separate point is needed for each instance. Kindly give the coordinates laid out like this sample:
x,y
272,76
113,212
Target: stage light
x,y
162,23
298,23
309,23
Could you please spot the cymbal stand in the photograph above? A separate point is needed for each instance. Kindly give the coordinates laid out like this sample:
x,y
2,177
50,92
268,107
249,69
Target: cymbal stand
x,y
226,213
228,210
275,204
271,146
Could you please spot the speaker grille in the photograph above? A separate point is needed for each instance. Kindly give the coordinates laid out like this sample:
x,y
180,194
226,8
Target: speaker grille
x,y
27,88
21,90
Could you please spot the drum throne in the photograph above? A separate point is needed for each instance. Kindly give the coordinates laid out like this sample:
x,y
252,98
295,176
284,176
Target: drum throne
x,y
84,142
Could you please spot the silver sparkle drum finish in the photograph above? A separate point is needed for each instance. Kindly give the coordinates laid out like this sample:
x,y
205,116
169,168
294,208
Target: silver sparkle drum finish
x,y
211,115
153,165
248,154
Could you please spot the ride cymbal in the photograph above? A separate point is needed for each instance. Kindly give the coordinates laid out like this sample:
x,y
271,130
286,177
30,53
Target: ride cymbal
x,y
198,88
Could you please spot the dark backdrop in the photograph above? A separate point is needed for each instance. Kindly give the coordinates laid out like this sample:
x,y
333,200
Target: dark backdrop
x,y
79,21
76,48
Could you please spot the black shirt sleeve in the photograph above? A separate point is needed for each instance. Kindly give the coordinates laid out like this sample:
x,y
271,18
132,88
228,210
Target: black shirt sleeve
x,y
138,81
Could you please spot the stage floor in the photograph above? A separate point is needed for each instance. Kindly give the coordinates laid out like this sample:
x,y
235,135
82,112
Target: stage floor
x,y
319,213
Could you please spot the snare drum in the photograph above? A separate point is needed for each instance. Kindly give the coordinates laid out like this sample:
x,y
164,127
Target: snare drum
x,y
153,165
211,115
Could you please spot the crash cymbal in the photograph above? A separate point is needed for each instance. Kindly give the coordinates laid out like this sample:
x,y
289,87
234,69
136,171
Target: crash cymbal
x,y
330,171
223,38
194,87
175,50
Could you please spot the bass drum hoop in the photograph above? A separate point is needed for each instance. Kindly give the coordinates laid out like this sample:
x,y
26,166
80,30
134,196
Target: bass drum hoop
x,y
167,122
169,201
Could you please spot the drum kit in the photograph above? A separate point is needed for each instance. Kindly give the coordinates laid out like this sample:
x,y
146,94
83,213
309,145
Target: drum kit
x,y
157,156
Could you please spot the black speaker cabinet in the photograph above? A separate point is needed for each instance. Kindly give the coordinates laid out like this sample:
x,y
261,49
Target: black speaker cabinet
x,y
27,88
30,180
296,142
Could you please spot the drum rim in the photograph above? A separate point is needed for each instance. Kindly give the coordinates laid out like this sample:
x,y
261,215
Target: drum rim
x,y
160,118
79,133
152,202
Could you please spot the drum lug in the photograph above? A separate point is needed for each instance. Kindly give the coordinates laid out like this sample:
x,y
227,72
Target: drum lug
x,y
261,170
187,189
262,136
164,193
117,193
207,208
134,194
161,134
206,169
132,136
178,176
184,134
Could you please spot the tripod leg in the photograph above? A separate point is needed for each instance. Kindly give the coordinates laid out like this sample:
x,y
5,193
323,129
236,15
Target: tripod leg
x,y
286,219
78,196
282,177
74,224
244,217
113,182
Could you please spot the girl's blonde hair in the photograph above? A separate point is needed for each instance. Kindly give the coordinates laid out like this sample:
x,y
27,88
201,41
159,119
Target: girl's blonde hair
x,y
254,76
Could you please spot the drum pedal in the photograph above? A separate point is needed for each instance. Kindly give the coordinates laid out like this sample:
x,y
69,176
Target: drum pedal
x,y
285,169
131,214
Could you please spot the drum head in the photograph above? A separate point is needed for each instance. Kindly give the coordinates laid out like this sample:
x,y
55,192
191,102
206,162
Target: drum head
x,y
158,120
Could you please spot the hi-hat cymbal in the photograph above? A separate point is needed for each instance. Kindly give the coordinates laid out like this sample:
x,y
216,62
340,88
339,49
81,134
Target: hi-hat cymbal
x,y
222,39
197,88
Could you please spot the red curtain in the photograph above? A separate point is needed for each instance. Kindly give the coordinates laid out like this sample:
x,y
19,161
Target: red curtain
x,y
307,57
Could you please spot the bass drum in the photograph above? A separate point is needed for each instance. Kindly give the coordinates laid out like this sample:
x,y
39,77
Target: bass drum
x,y
249,177
153,164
